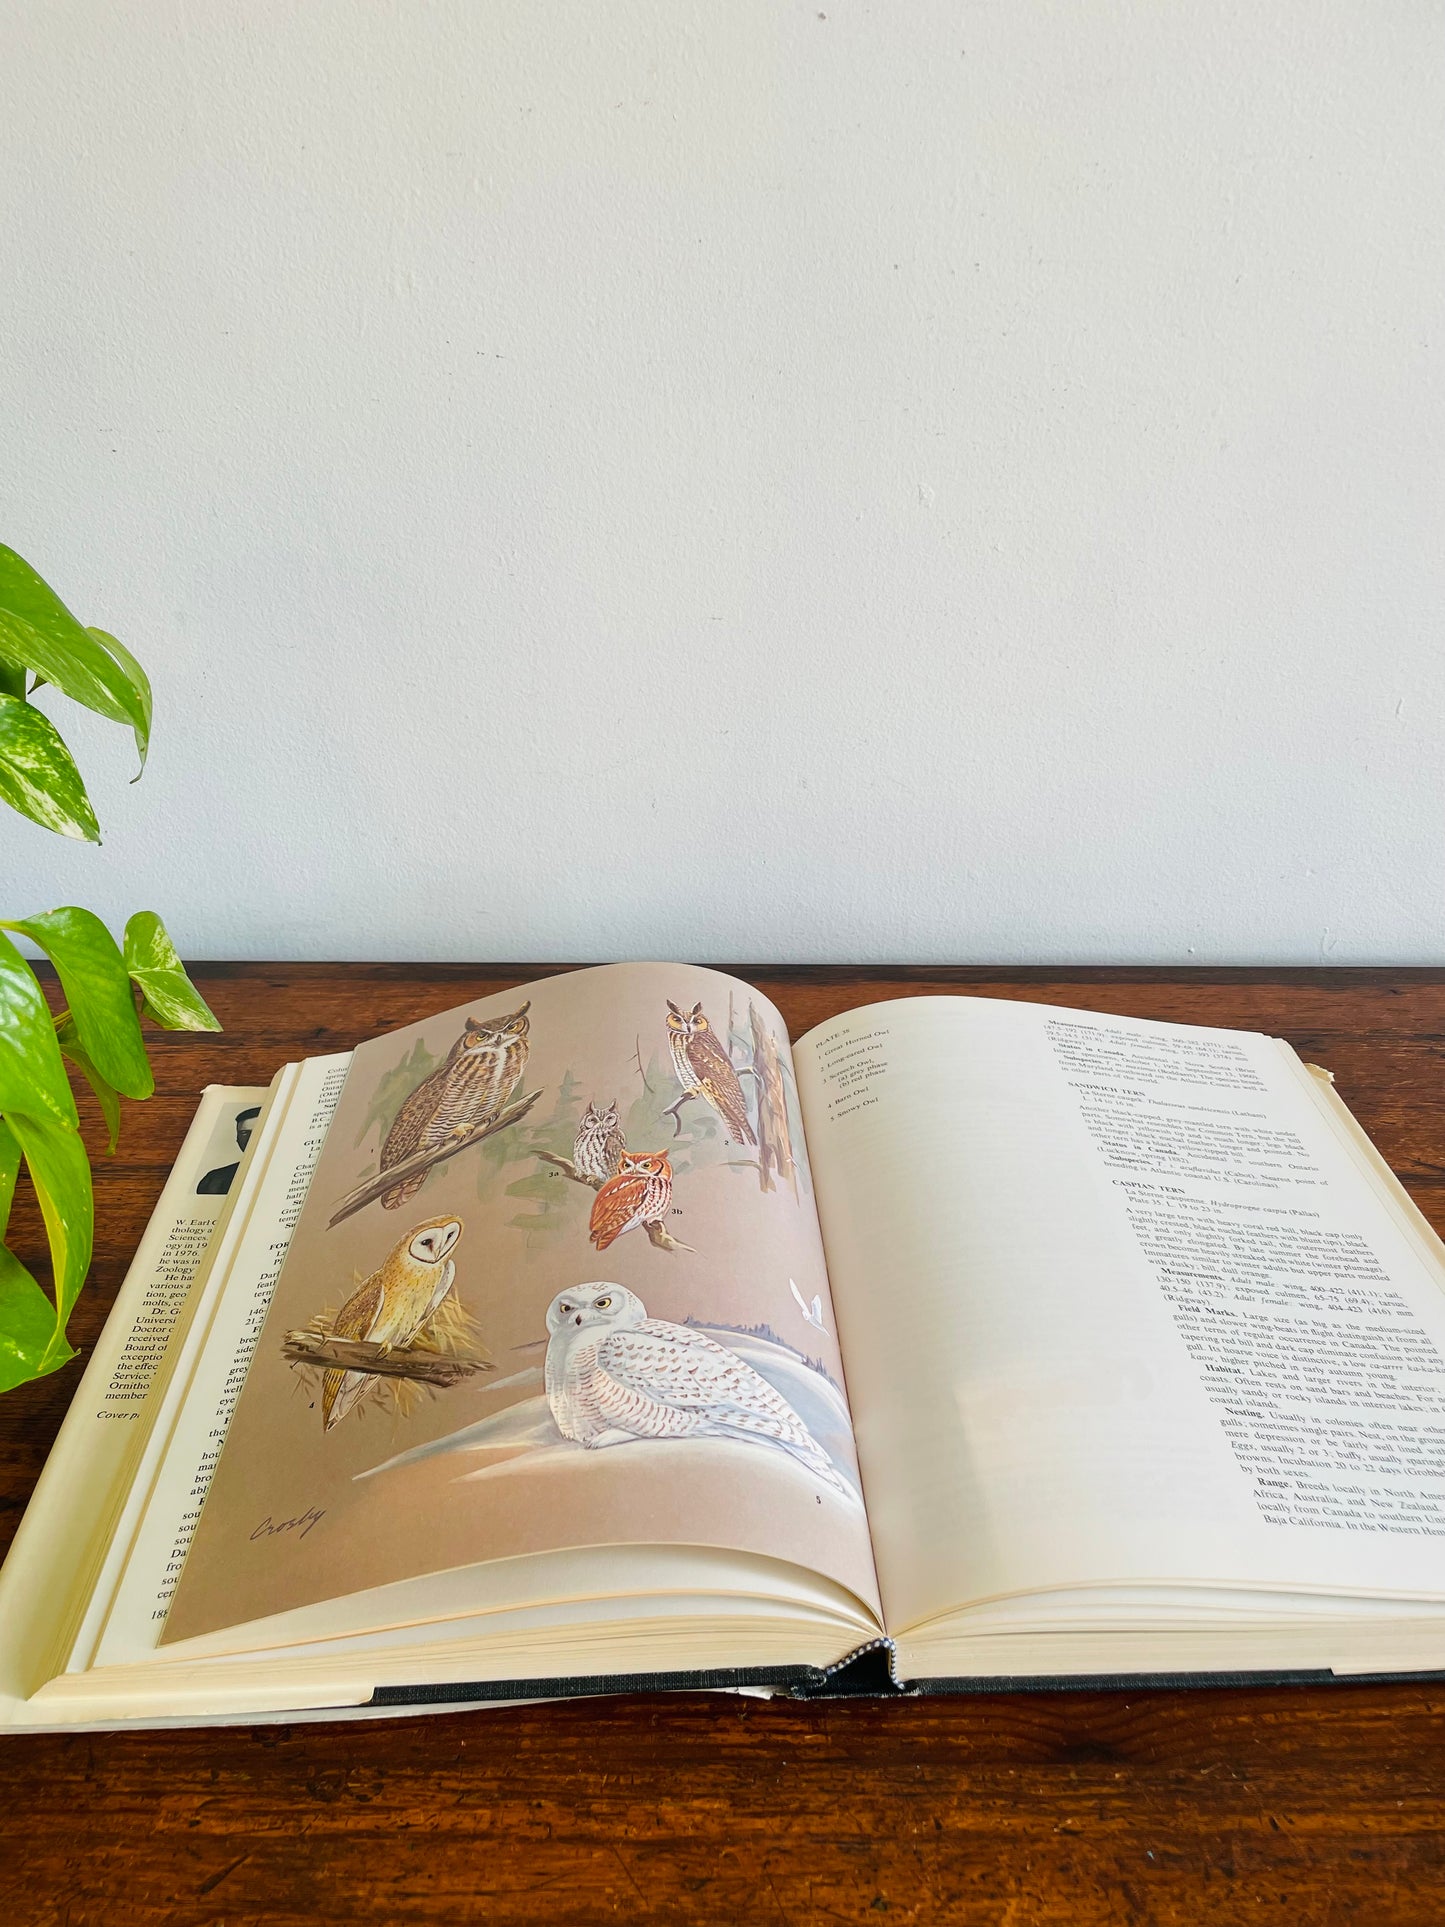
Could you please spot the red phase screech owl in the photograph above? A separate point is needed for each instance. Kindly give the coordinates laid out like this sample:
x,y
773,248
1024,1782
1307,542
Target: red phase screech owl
x,y
639,1195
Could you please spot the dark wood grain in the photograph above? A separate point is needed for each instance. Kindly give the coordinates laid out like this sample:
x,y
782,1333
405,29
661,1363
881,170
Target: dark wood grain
x,y
1303,1806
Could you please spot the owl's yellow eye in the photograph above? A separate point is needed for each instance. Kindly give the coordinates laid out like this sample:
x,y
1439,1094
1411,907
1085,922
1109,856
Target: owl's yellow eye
x,y
564,1309
700,1023
603,1303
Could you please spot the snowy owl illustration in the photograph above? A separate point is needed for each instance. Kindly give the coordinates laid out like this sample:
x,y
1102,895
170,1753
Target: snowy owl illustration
x,y
614,1375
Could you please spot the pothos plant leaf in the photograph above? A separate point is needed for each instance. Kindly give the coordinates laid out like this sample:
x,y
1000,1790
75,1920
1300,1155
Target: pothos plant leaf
x,y
27,1317
138,680
32,1330
100,1034
38,776
39,633
97,988
32,1075
107,1096
30,1345
169,997
38,1119
9,1166
60,1171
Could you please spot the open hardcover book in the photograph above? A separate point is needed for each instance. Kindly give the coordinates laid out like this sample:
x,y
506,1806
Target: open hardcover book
x,y
591,1338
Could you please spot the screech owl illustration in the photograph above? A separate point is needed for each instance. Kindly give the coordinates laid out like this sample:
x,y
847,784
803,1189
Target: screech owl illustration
x,y
482,1069
600,1143
394,1306
704,1069
613,1374
639,1195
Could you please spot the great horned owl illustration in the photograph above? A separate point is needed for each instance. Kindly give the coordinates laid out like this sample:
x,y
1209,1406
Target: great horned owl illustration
x,y
600,1143
639,1195
613,1374
482,1069
704,1069
393,1306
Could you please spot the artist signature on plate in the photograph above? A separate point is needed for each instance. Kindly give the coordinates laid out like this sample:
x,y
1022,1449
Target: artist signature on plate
x,y
270,1528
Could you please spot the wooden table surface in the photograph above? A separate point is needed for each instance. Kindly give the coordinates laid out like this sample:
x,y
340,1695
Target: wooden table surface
x,y
1310,1807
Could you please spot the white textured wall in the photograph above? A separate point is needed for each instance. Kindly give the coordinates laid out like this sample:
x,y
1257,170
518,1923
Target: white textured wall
x,y
775,480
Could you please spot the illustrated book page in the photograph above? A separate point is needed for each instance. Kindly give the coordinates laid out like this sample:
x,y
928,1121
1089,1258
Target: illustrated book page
x,y
572,1231
1124,1304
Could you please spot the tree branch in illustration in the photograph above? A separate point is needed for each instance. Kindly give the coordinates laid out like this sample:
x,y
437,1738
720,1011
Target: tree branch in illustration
x,y
372,1188
775,1142
423,1367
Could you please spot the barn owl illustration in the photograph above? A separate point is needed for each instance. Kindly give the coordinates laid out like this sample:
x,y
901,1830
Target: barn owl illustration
x,y
393,1306
600,1144
639,1195
704,1069
482,1069
613,1375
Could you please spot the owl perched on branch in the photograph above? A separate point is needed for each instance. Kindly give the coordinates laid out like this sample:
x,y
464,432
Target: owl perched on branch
x,y
704,1069
394,1306
482,1069
600,1144
639,1195
613,1374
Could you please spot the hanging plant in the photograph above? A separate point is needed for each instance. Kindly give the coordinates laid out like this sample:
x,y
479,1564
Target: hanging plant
x,y
108,987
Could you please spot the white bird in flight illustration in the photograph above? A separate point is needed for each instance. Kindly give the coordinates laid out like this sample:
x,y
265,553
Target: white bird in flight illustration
x,y
814,1312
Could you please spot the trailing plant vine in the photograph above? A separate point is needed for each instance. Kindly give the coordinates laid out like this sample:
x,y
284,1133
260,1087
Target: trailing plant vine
x,y
108,987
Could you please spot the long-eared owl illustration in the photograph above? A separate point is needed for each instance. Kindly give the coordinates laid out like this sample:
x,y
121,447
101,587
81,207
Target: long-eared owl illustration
x,y
704,1069
393,1306
639,1195
482,1069
600,1144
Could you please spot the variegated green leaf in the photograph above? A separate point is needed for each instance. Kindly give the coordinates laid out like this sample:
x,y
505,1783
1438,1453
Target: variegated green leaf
x,y
60,1171
106,1094
38,776
9,1165
139,681
39,632
97,988
31,1343
171,999
32,1075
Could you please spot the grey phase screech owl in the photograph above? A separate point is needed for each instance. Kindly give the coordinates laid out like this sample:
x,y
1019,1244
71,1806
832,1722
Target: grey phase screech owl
x,y
600,1144
482,1069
